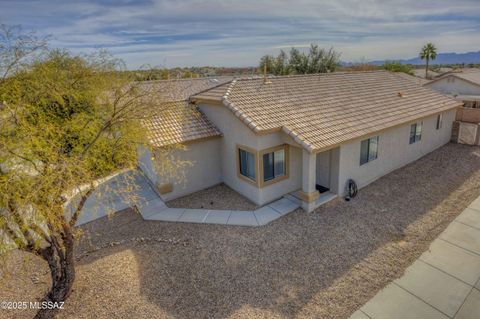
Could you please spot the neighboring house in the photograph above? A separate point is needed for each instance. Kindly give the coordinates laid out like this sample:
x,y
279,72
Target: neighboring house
x,y
415,79
421,73
463,85
305,135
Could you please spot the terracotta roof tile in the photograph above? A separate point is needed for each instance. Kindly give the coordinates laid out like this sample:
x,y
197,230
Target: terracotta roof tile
x,y
471,75
324,110
182,89
178,122
175,120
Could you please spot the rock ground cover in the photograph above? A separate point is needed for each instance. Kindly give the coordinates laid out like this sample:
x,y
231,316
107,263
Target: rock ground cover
x,y
326,264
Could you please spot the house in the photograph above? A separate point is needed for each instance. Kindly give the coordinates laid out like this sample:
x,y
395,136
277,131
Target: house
x,y
417,80
176,121
463,85
421,73
304,135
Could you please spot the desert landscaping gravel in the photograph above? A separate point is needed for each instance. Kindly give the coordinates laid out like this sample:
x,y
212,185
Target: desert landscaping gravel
x,y
325,264
216,197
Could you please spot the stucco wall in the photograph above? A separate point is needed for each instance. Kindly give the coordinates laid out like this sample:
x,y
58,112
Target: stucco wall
x,y
237,133
205,160
394,151
457,86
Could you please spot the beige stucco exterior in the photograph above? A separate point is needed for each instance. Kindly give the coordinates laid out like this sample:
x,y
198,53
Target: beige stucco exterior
x,y
216,160
200,170
237,133
394,151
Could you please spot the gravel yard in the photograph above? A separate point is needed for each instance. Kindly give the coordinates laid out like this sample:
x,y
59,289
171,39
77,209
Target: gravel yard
x,y
217,197
320,265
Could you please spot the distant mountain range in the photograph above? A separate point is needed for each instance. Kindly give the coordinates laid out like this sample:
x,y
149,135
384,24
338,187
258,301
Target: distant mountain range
x,y
442,58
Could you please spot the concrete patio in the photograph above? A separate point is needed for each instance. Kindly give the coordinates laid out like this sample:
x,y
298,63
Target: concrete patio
x,y
443,283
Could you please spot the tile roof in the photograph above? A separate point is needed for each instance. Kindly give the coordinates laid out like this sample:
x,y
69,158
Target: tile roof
x,y
421,73
415,79
215,94
182,89
472,76
178,122
175,120
321,111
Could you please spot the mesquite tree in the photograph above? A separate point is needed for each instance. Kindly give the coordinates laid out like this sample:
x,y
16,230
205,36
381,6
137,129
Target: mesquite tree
x,y
65,122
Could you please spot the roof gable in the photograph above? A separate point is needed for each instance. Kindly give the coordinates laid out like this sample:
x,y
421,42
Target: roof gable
x,y
470,76
178,122
174,120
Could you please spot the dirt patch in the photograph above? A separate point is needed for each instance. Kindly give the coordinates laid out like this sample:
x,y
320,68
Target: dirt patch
x,y
321,265
217,197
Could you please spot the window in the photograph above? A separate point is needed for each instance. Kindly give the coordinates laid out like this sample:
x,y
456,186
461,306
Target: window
x,y
262,168
368,150
273,164
439,121
247,163
416,132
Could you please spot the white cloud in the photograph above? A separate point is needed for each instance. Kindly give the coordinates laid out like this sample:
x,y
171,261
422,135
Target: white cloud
x,y
232,32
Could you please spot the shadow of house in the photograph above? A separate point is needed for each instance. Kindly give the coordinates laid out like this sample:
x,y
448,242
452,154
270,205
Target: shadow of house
x,y
324,264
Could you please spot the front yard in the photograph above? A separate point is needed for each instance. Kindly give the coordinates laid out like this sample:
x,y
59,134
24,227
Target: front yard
x,y
320,265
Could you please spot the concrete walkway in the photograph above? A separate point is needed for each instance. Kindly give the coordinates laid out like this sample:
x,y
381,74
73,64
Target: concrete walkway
x,y
132,189
443,283
157,210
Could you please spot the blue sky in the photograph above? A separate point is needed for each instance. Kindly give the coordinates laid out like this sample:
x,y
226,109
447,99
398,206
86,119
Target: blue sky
x,y
238,32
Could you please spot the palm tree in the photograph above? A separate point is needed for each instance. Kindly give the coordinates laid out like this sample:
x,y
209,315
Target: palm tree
x,y
429,52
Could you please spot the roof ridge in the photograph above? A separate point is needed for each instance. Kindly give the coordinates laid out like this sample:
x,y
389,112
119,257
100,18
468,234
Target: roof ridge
x,y
298,138
311,75
236,111
229,89
460,75
189,79
211,88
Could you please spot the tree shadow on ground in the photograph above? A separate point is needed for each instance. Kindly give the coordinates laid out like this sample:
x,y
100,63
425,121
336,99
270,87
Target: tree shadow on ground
x,y
325,264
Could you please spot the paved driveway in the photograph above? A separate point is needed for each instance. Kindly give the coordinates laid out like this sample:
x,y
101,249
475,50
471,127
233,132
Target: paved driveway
x,y
443,283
